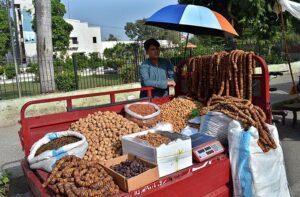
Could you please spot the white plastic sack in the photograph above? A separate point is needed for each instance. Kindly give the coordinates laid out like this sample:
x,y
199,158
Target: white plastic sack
x,y
163,126
292,7
215,124
138,116
47,159
255,173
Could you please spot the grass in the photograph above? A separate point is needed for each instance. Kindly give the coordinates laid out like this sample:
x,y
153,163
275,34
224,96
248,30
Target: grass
x,y
10,91
99,81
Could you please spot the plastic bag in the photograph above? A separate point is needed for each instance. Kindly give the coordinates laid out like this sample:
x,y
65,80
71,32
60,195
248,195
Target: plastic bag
x,y
254,172
215,124
144,123
46,160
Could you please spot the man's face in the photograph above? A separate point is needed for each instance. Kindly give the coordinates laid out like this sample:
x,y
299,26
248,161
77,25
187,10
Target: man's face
x,y
153,52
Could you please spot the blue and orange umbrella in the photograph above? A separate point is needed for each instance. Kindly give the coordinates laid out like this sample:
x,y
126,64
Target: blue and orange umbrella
x,y
191,19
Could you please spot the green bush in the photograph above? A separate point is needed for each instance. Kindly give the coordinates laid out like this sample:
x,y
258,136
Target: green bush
x,y
65,81
4,184
62,64
275,59
33,68
10,71
129,74
114,63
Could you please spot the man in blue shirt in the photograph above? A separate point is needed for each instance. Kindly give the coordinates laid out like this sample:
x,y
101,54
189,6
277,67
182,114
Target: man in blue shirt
x,y
155,71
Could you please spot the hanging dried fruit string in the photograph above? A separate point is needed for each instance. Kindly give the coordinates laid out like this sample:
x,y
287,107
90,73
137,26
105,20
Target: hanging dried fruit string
x,y
245,112
224,74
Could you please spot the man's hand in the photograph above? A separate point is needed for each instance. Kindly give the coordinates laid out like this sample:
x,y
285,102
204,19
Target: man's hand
x,y
171,83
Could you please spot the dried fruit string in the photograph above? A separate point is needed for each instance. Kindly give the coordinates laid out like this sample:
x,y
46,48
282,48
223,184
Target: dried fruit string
x,y
245,112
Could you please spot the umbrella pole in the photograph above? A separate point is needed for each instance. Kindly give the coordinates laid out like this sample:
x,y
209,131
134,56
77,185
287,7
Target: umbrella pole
x,y
288,58
186,42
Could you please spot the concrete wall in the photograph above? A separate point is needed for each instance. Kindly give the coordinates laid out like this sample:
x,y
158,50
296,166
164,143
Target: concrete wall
x,y
10,109
282,67
111,44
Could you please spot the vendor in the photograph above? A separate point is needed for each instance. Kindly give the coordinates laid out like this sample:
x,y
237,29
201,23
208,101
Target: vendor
x,y
155,71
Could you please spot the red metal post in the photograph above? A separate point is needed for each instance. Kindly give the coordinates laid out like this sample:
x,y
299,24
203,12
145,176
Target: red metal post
x,y
69,104
112,98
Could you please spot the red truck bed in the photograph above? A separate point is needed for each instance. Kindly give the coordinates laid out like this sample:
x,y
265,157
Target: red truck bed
x,y
211,178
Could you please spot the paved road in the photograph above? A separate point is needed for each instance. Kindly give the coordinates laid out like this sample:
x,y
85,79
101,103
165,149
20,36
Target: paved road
x,y
290,137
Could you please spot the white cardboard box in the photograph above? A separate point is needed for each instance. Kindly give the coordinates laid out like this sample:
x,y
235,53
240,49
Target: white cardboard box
x,y
169,158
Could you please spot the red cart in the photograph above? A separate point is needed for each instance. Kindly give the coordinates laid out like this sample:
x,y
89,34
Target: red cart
x,y
210,178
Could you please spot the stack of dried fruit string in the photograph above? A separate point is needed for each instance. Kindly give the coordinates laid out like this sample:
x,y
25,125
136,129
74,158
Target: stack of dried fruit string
x,y
223,74
245,112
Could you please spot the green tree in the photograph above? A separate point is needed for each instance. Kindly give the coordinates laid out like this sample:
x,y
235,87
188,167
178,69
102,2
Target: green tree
x,y
120,50
4,32
139,31
61,29
112,37
252,19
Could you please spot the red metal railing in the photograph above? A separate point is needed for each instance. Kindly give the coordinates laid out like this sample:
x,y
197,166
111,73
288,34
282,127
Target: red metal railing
x,y
35,127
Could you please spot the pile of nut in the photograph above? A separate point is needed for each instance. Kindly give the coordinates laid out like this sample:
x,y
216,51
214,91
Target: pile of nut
x,y
130,168
103,131
155,139
73,176
177,112
142,109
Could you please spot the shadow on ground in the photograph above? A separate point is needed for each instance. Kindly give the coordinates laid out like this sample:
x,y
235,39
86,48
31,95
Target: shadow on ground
x,y
290,141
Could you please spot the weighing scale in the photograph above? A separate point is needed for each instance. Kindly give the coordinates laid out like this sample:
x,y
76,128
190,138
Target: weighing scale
x,y
205,147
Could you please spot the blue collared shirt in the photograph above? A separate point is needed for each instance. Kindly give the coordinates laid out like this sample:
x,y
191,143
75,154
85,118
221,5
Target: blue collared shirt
x,y
156,76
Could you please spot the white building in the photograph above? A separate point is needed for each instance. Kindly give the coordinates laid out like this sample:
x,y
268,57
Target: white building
x,y
24,10
84,38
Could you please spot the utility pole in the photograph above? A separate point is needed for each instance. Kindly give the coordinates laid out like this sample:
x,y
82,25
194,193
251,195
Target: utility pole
x,y
12,38
44,45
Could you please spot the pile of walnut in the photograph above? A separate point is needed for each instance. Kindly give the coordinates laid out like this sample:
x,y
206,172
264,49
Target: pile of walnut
x,y
103,131
245,112
73,176
177,112
155,139
223,74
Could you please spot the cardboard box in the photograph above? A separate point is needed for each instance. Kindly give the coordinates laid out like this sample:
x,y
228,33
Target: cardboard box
x,y
169,158
133,183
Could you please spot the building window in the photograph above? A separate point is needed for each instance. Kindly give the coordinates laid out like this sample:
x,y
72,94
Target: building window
x,y
94,39
74,40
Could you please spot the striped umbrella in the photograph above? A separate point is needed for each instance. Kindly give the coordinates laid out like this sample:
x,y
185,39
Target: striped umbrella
x,y
191,19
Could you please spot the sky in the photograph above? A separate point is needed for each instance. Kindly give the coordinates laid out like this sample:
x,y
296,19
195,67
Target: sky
x,y
112,15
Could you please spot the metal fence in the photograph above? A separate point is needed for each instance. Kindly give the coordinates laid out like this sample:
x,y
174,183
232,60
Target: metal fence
x,y
68,75
82,72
